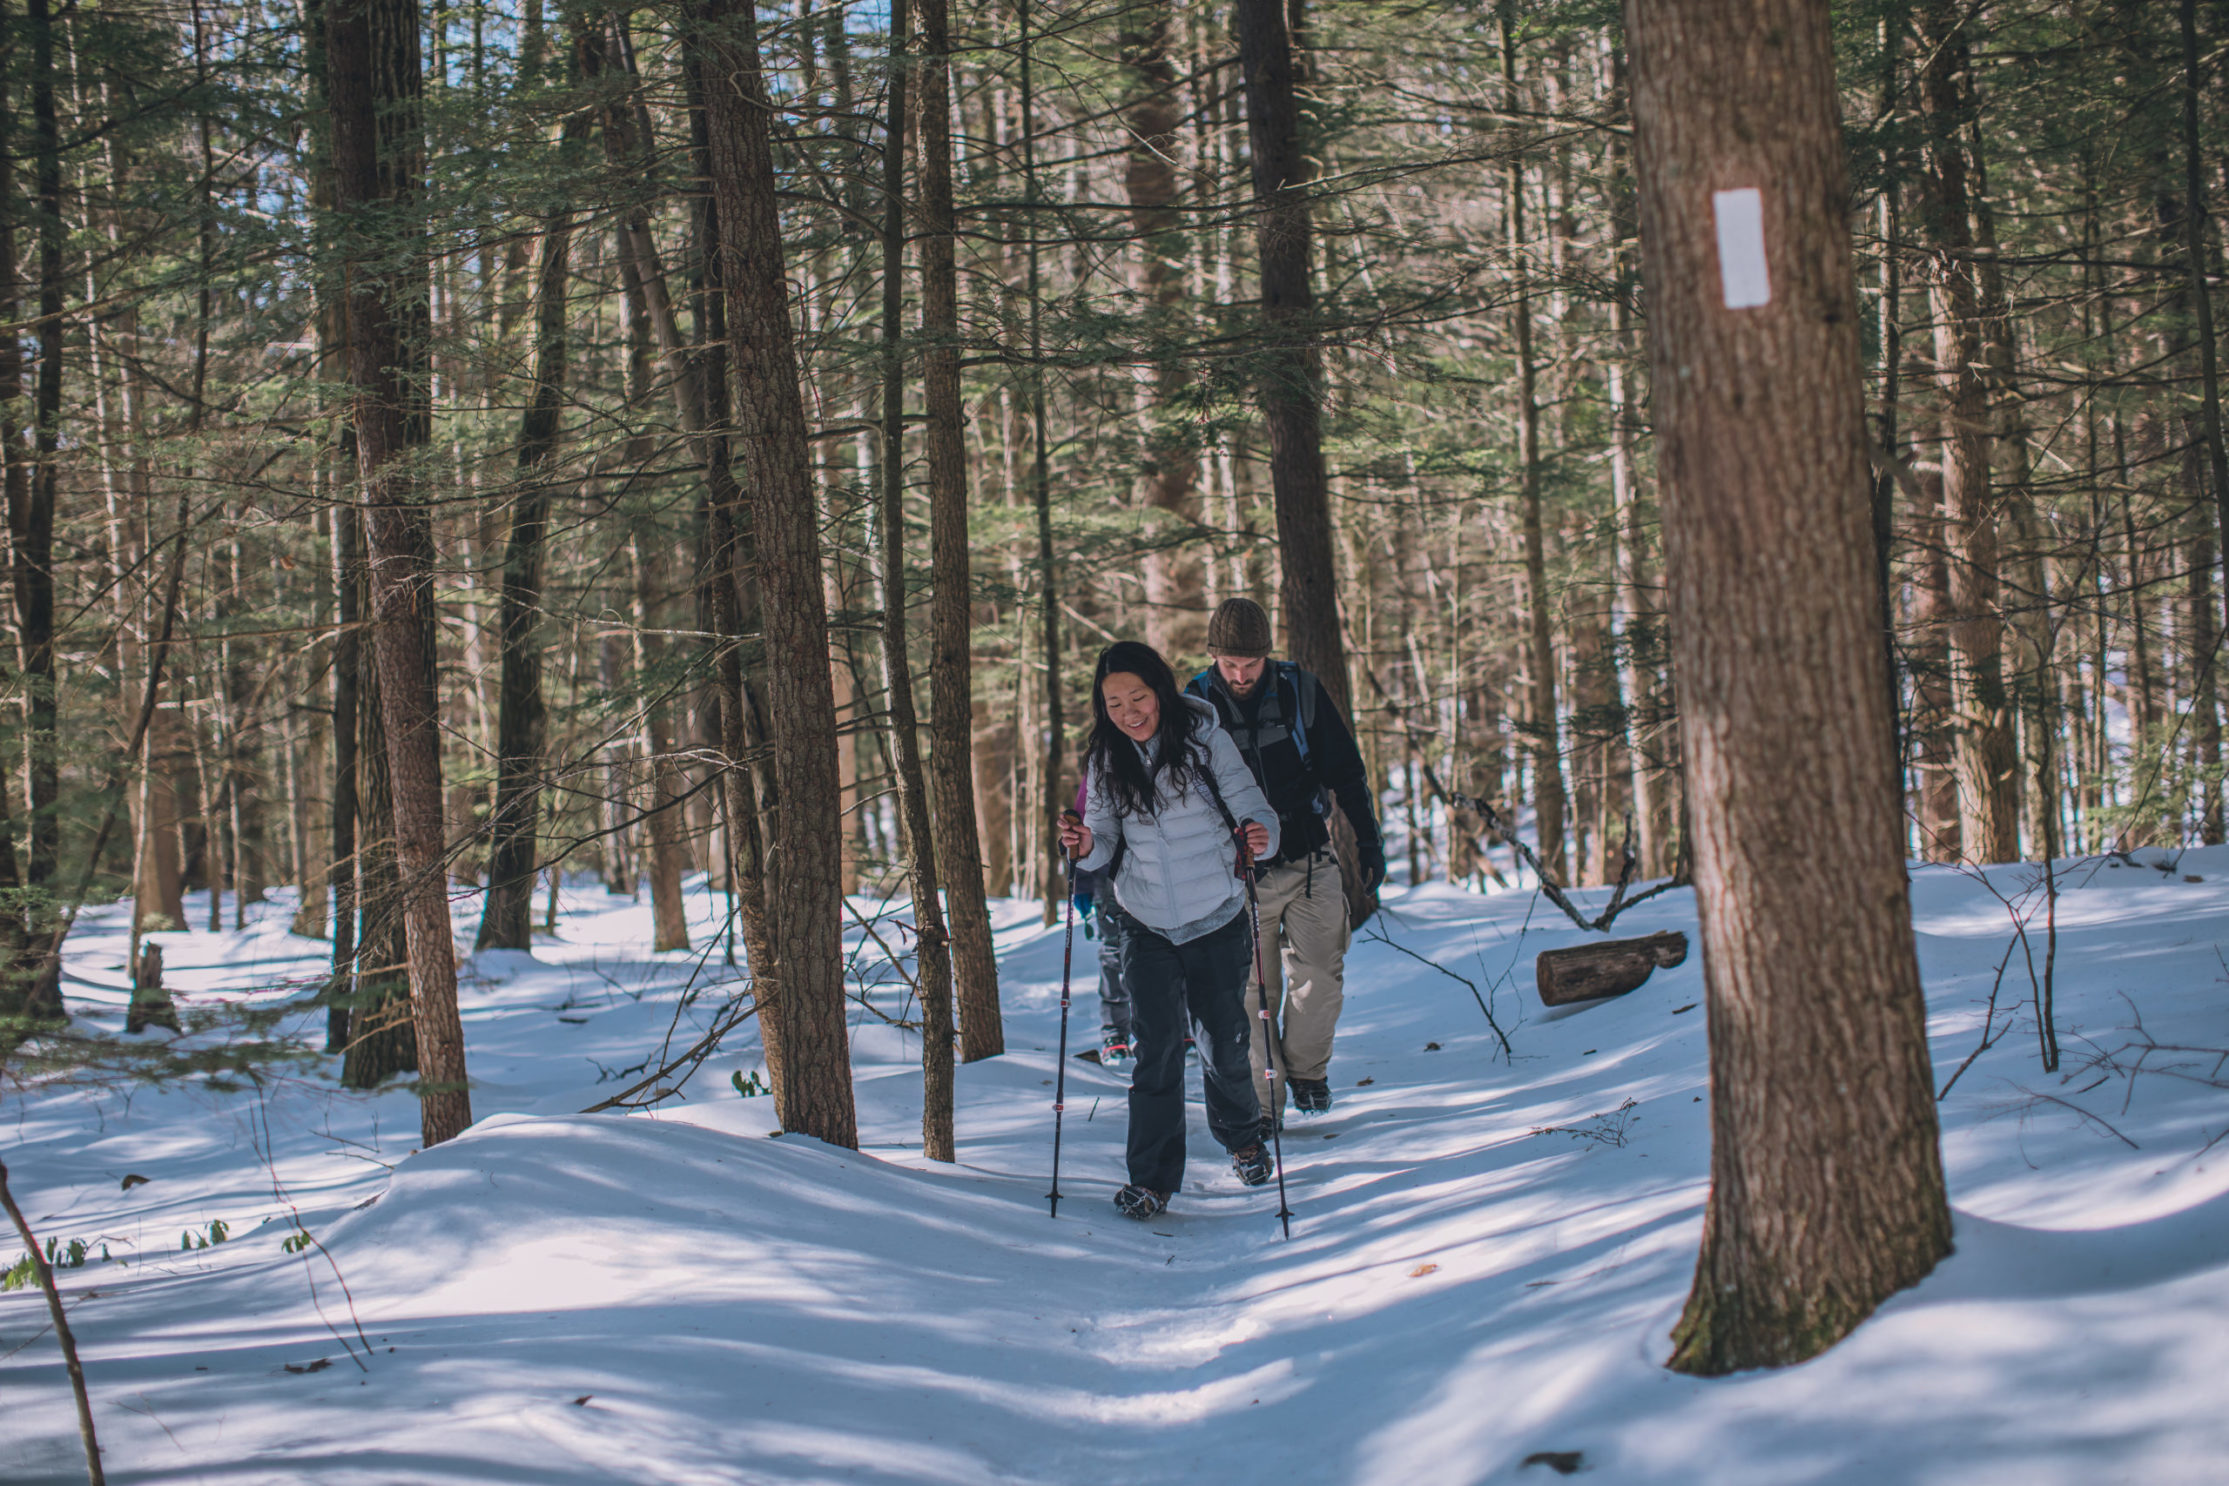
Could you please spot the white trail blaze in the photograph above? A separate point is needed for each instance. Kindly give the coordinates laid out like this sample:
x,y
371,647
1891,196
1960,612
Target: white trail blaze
x,y
1741,247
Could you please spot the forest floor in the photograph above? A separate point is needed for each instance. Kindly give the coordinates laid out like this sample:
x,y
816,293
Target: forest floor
x,y
1489,1252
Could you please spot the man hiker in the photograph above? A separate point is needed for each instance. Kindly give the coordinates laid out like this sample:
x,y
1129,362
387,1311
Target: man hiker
x,y
1303,754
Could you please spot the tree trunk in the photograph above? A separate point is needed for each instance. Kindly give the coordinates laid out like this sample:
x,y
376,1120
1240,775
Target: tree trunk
x,y
1988,761
1291,381
933,953
15,494
507,912
305,767
1174,580
378,148
666,824
1932,723
159,900
727,577
951,705
382,1037
1890,269
1052,878
1826,1183
348,670
1548,802
1650,743
804,886
345,529
31,505
2196,263
2205,688
700,399
2028,613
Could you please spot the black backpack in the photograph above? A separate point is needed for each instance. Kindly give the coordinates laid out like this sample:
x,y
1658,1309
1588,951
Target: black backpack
x,y
1273,726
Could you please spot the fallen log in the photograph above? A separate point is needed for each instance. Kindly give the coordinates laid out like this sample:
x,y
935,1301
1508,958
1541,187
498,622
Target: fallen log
x,y
1607,967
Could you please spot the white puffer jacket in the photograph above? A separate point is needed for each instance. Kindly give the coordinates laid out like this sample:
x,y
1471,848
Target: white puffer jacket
x,y
1179,863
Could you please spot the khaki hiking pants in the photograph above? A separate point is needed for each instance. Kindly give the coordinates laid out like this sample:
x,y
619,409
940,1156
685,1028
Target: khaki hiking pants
x,y
1304,950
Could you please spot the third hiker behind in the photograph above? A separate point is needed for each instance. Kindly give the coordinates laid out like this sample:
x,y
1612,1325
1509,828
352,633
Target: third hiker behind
x,y
1303,754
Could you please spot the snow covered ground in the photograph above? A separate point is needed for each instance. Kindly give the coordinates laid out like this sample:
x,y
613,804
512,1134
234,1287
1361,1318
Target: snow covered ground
x,y
559,1297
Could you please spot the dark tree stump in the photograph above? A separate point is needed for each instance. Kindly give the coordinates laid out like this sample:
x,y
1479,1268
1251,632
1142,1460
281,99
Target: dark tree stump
x,y
150,1006
1610,967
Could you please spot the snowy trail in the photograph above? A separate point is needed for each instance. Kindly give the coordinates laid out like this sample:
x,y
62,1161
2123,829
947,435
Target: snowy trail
x,y
1460,1292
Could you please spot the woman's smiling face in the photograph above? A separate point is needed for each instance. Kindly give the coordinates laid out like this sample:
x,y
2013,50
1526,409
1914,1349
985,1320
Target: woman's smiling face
x,y
1131,705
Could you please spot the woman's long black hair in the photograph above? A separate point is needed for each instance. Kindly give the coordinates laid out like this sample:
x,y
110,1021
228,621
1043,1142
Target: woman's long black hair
x,y
1113,760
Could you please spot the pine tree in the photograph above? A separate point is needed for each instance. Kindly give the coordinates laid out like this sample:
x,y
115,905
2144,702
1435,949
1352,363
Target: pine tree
x,y
1826,1183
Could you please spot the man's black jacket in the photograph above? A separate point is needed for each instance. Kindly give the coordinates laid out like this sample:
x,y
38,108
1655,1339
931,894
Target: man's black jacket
x,y
1264,736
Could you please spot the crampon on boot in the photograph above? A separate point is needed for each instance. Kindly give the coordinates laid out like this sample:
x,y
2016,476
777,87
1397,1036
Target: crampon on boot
x,y
1139,1202
1252,1164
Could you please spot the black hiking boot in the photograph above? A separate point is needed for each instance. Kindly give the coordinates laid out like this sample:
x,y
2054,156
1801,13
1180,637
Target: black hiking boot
x,y
1139,1202
1252,1164
1310,1095
1114,1049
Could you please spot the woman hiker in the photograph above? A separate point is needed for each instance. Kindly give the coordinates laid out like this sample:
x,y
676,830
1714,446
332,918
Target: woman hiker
x,y
1168,792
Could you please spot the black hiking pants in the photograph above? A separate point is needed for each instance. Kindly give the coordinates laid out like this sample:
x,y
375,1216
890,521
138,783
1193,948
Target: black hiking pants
x,y
1202,985
1114,996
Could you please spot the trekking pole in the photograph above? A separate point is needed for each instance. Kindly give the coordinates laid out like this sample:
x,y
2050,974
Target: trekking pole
x,y
1269,1028
1060,1074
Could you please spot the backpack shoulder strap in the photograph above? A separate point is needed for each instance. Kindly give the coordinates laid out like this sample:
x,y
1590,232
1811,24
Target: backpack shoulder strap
x,y
1215,792
1306,690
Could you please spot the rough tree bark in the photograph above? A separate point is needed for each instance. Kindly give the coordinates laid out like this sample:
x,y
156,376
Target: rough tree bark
x,y
381,1032
804,858
30,517
1175,582
348,874
1826,1182
2196,264
951,706
1934,778
1289,367
1288,372
376,85
15,477
507,914
31,521
727,584
933,952
2205,688
2027,613
1049,870
1987,757
1549,801
344,524
666,822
